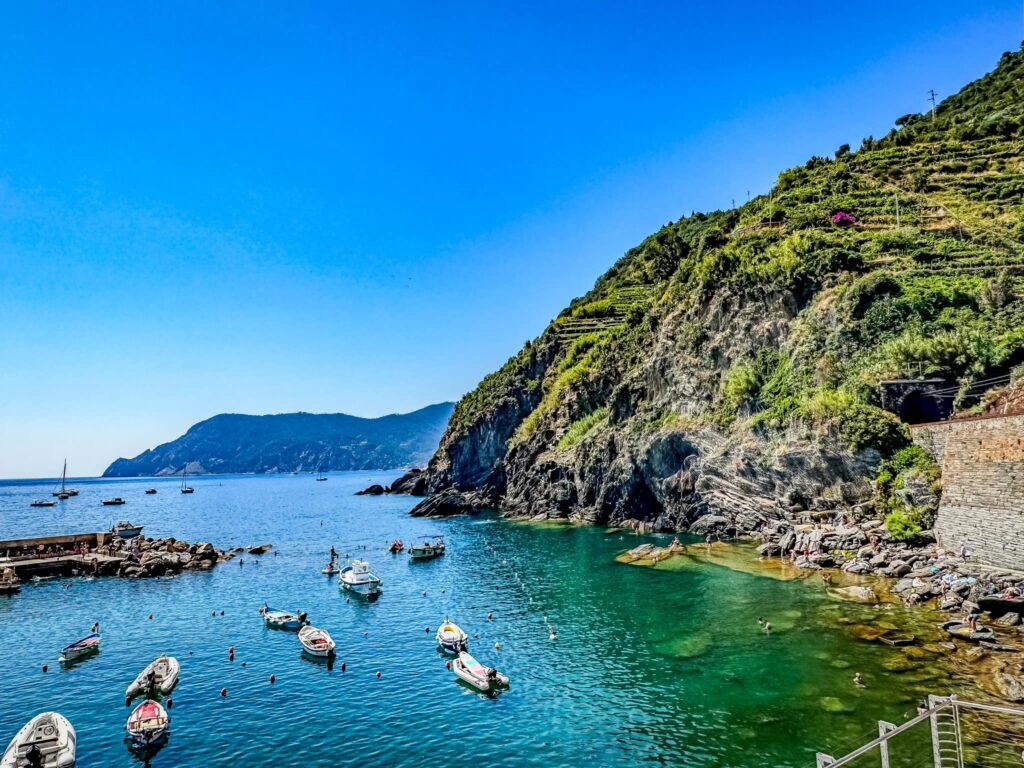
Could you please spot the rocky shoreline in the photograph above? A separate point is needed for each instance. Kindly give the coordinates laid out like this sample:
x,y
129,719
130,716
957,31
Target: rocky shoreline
x,y
147,558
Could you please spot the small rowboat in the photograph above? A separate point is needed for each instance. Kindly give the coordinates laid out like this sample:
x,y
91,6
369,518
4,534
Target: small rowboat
x,y
114,502
316,642
482,678
47,740
396,547
159,676
148,724
150,491
963,631
330,569
451,638
9,583
283,619
43,503
80,648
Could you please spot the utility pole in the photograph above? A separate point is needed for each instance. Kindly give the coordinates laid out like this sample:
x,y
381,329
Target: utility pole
x,y
931,98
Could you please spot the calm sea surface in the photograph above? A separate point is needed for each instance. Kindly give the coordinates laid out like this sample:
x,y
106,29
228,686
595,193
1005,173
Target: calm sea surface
x,y
649,666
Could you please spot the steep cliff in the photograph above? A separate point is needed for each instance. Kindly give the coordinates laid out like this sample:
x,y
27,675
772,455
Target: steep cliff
x,y
296,442
729,364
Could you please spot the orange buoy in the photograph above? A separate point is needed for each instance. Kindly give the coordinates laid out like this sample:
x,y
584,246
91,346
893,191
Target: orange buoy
x,y
170,703
223,691
213,613
151,616
447,665
231,650
497,646
378,673
273,679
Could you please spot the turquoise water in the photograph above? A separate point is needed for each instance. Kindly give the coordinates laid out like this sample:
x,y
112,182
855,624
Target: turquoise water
x,y
649,665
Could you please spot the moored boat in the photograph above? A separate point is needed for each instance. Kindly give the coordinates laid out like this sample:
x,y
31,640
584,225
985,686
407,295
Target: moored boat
x,y
481,677
126,529
358,578
88,645
159,676
283,619
330,569
428,549
150,491
43,503
114,502
47,740
64,492
451,638
148,724
316,642
185,488
9,583
396,547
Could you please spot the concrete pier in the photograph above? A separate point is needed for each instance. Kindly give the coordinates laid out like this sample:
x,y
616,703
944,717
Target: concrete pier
x,y
44,555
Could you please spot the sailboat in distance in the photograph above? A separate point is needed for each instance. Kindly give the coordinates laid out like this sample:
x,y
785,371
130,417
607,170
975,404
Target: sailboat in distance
x,y
320,476
184,474
64,492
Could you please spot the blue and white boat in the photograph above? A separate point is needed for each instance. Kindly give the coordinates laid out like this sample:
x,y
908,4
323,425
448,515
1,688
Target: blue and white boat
x,y
80,648
283,619
126,529
360,579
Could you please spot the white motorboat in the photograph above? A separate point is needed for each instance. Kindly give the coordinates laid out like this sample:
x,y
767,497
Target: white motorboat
x,y
126,529
481,677
117,501
159,676
451,638
80,648
316,642
148,724
283,619
47,740
359,579
43,503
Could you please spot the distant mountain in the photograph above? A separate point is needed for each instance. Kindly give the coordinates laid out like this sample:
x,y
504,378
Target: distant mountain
x,y
294,442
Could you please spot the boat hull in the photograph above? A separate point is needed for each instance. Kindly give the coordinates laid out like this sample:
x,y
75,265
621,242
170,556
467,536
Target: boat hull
x,y
364,588
167,668
130,533
316,642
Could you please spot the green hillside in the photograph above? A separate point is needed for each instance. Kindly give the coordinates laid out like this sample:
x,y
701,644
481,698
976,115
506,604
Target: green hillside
x,y
768,327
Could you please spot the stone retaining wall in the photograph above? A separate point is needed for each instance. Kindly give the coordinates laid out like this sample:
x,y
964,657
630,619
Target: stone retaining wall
x,y
982,503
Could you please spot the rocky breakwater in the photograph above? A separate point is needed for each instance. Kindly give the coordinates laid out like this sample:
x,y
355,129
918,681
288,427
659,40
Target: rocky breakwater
x,y
141,558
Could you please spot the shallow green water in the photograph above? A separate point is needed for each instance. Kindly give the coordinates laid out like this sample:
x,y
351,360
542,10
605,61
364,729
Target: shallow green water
x,y
664,665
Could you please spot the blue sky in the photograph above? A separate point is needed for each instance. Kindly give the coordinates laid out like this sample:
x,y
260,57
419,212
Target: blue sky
x,y
365,207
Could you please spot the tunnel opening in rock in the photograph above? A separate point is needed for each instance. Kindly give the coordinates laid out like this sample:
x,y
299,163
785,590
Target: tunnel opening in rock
x,y
919,408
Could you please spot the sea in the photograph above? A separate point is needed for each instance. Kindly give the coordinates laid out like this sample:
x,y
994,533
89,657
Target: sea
x,y
610,664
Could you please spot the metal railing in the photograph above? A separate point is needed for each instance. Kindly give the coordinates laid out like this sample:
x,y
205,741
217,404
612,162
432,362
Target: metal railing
x,y
951,733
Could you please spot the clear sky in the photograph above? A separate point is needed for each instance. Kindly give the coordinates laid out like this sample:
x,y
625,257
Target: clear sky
x,y
365,207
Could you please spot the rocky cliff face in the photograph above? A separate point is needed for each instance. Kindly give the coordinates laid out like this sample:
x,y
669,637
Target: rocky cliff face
x,y
727,367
